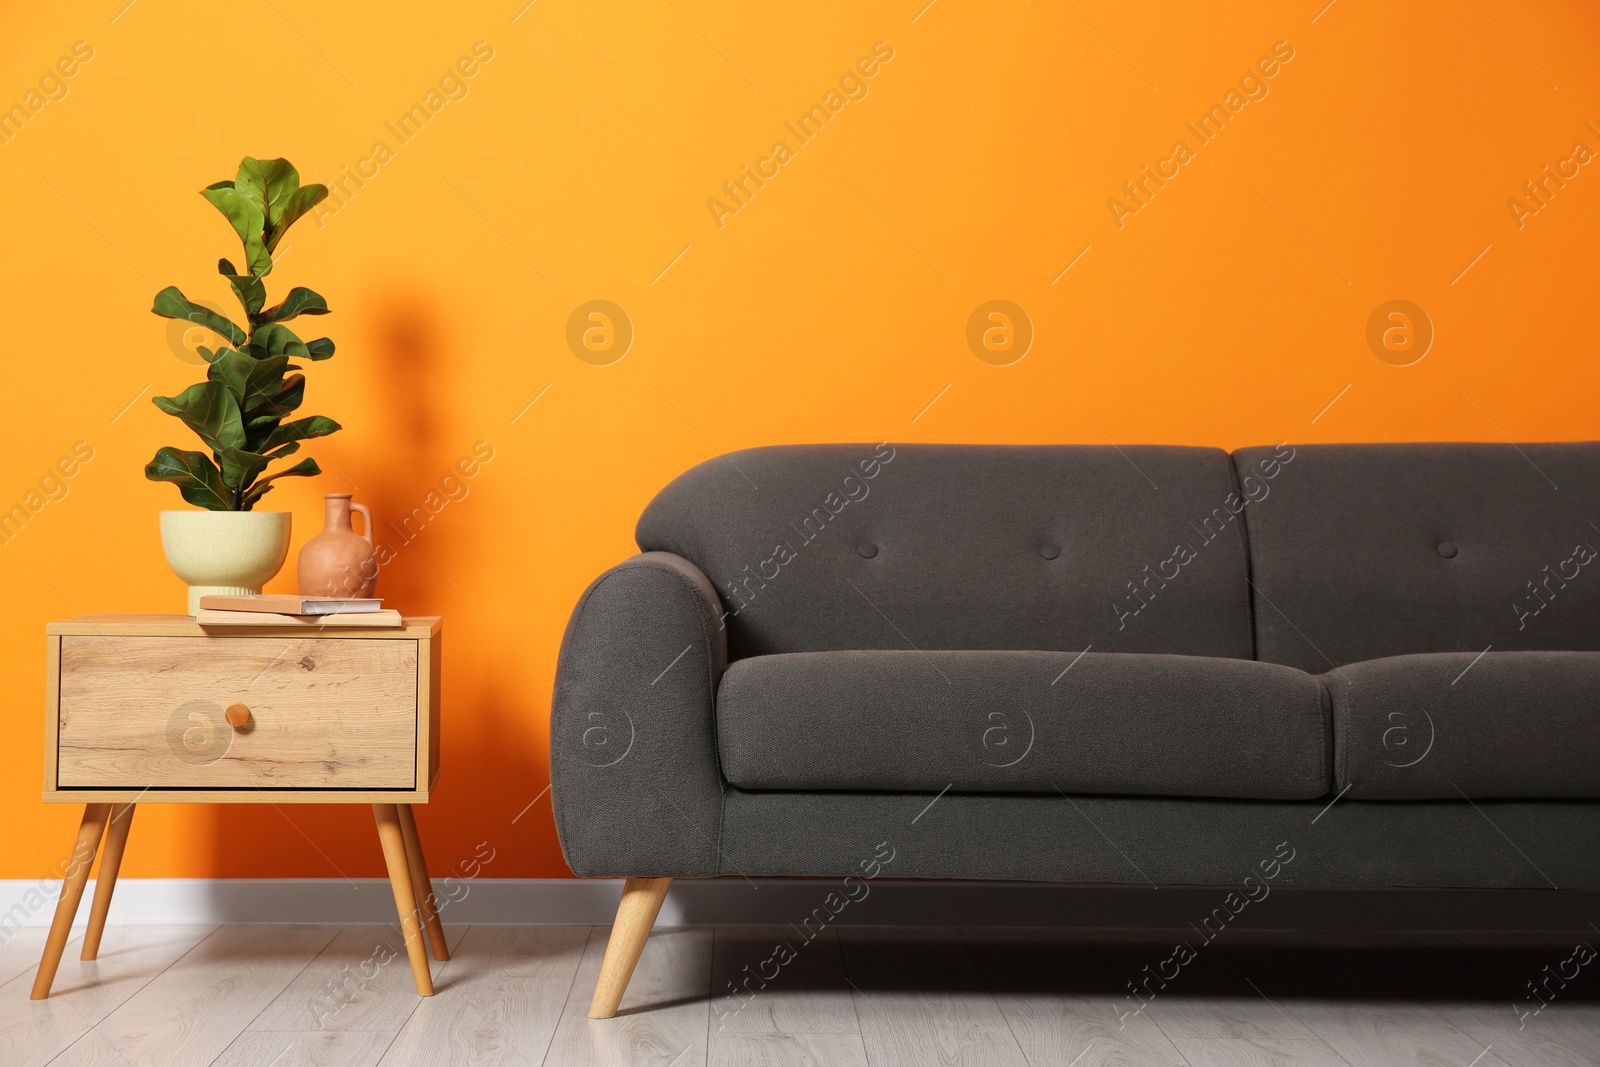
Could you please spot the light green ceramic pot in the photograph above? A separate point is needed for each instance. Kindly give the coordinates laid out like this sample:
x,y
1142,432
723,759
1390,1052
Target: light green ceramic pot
x,y
224,552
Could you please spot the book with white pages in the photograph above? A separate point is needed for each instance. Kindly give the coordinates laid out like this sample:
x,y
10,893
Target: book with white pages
x,y
386,618
290,604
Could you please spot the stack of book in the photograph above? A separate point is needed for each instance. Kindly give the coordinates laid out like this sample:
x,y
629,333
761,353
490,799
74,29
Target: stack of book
x,y
296,612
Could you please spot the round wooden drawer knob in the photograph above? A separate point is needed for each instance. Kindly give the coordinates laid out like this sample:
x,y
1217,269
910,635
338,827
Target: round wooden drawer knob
x,y
237,715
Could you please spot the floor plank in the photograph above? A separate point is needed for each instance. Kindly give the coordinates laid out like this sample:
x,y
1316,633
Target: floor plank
x,y
325,1048
32,1032
1487,997
776,980
921,999
22,947
498,1000
1063,1004
1258,1054
192,1011
1207,998
787,1050
360,981
91,1050
664,1017
1357,1012
530,951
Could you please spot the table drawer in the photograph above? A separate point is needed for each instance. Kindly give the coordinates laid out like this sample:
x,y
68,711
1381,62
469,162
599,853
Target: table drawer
x,y
140,712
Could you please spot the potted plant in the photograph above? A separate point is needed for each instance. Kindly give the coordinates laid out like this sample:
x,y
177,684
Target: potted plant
x,y
239,412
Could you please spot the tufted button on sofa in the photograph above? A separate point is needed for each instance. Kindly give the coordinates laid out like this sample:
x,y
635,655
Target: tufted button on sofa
x,y
1092,664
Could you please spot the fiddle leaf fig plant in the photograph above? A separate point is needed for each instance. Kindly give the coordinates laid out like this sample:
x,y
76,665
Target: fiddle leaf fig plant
x,y
252,384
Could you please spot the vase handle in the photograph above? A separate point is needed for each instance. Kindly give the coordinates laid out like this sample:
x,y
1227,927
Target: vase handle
x,y
366,513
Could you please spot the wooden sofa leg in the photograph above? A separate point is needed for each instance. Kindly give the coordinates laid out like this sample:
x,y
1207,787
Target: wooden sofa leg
x,y
641,903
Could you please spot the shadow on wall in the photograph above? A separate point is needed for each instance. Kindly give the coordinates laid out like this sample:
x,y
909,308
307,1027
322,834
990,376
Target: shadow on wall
x,y
407,387
411,481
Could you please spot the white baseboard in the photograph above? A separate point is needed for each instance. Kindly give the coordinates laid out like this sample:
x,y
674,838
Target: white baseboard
x,y
318,900
788,900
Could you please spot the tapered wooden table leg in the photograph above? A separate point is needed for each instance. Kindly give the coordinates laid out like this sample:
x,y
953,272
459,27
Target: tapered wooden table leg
x,y
105,883
636,914
90,831
405,902
421,887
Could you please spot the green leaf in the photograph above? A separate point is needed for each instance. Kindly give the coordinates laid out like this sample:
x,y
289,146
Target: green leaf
x,y
306,468
259,427
262,421
172,304
252,381
196,477
276,185
232,368
261,489
276,339
211,411
269,182
248,216
321,348
272,410
301,429
302,201
247,287
284,451
239,468
290,396
300,301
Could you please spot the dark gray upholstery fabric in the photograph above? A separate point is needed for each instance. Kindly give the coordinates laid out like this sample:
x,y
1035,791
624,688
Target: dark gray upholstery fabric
x,y
1358,553
1165,840
1117,723
1367,551
633,754
826,547
1444,725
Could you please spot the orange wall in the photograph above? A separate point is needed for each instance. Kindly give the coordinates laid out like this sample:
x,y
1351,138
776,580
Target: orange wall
x,y
1230,310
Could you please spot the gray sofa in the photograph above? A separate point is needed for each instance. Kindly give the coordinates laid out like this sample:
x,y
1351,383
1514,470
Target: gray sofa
x,y
1092,664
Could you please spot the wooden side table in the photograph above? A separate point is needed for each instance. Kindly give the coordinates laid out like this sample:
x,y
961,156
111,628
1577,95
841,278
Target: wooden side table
x,y
153,709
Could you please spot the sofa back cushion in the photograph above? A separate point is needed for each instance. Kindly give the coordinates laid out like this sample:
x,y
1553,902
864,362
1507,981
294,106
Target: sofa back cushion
x,y
1367,551
823,547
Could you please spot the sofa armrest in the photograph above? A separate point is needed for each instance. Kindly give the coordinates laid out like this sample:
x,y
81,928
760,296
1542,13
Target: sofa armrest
x,y
635,782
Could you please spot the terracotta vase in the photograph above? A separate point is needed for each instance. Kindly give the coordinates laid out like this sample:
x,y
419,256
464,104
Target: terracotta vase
x,y
339,561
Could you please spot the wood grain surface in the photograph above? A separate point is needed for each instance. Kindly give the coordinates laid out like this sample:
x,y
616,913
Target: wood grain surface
x,y
324,712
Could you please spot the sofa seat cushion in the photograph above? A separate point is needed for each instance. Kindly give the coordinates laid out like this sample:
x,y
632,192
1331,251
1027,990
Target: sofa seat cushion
x,y
1440,726
1037,722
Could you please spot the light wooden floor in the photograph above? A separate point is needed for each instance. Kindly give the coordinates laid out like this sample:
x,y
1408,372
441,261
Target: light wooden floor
x,y
171,996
